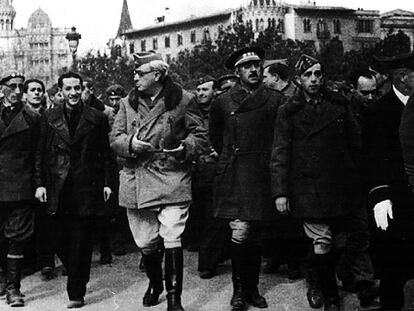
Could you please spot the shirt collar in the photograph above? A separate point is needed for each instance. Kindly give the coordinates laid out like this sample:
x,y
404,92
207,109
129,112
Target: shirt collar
x,y
403,98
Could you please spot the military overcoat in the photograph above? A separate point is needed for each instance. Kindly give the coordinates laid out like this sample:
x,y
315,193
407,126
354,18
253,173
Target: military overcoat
x,y
241,131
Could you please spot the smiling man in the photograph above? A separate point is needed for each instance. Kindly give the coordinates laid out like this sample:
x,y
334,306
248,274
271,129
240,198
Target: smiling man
x,y
315,174
241,131
73,176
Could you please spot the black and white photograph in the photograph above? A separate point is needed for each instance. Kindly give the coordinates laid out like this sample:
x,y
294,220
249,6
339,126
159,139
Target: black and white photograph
x,y
221,155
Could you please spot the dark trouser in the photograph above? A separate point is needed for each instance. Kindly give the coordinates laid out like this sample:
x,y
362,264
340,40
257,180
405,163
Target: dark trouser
x,y
199,209
354,263
214,242
103,232
121,227
44,238
16,226
73,242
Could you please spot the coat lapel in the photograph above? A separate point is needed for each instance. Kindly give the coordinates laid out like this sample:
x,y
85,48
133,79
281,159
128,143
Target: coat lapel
x,y
17,125
87,122
147,123
252,101
58,122
327,114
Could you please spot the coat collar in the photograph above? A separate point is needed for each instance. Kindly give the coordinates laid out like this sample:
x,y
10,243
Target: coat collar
x,y
86,122
18,124
330,109
247,102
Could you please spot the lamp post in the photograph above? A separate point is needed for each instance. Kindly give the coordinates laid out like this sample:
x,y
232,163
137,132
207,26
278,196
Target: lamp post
x,y
73,39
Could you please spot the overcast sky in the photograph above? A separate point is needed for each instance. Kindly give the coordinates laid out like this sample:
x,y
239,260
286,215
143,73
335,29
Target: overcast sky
x,y
98,20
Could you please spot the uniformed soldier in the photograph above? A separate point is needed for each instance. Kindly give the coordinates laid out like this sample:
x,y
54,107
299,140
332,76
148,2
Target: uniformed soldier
x,y
241,131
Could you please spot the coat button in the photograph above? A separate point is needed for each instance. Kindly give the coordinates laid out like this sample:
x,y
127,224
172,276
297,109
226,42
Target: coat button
x,y
232,113
314,157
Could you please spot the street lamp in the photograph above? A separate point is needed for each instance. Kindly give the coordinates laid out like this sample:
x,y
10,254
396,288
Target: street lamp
x,y
73,39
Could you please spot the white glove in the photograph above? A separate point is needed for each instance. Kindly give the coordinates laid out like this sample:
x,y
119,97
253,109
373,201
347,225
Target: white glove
x,y
382,211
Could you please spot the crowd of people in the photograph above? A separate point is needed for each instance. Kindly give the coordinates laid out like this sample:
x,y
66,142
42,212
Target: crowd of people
x,y
267,165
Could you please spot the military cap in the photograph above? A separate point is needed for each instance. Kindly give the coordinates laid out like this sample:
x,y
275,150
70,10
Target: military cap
x,y
304,63
115,90
224,78
243,55
205,79
405,60
10,75
144,58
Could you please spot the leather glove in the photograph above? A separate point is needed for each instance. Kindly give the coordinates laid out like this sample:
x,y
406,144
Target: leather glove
x,y
382,211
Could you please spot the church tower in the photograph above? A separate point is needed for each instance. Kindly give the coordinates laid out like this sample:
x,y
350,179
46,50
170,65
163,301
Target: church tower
x,y
125,22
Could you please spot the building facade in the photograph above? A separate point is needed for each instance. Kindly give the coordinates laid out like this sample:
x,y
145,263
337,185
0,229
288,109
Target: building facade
x,y
355,28
38,51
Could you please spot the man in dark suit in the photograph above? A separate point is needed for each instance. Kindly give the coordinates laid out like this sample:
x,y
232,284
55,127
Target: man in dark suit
x,y
315,130
241,131
390,193
19,133
73,175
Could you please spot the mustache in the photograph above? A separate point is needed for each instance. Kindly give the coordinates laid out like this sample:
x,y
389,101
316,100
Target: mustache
x,y
253,75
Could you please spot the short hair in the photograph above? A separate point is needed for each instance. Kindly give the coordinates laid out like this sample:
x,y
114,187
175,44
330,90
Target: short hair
x,y
279,69
27,82
68,75
52,91
363,72
160,66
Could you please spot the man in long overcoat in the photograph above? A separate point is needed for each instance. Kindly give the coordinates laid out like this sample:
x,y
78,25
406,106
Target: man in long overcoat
x,y
159,132
19,133
74,168
315,166
241,131
390,191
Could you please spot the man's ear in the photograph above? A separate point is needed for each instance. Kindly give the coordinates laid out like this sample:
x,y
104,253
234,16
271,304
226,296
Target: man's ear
x,y
236,72
297,79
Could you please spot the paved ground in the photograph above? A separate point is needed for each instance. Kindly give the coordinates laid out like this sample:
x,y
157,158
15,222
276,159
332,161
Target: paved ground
x,y
120,286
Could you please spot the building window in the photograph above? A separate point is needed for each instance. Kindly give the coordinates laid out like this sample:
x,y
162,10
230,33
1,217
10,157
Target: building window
x,y
206,35
365,25
336,26
167,41
257,24
307,25
321,26
155,43
131,48
168,58
193,36
143,47
179,39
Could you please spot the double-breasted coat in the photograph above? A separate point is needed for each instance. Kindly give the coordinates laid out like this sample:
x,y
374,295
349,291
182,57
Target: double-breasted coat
x,y
87,155
153,179
17,149
315,159
384,163
241,131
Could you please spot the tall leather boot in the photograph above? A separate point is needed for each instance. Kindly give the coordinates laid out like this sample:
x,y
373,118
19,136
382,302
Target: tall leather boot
x,y
154,272
238,302
327,279
252,269
13,294
174,277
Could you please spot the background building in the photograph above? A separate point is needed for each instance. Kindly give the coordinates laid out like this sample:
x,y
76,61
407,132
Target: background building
x,y
38,51
355,28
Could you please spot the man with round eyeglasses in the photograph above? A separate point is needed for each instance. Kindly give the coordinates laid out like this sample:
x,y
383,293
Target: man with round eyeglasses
x,y
19,133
